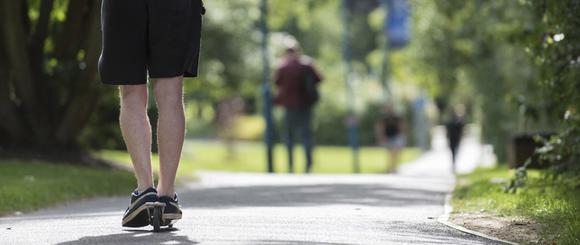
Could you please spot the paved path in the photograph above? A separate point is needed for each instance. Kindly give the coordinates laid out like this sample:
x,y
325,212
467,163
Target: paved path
x,y
228,208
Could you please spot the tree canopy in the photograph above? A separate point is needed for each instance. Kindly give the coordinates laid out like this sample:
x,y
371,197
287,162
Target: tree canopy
x,y
514,63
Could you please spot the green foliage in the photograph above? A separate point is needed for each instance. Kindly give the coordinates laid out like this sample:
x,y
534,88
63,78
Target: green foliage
x,y
372,114
520,57
26,186
103,131
477,44
557,56
229,61
563,150
250,157
552,201
518,180
555,51
330,124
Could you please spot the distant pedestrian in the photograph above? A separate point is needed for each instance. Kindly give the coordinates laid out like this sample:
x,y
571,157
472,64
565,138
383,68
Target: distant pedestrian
x,y
297,80
390,133
454,128
228,112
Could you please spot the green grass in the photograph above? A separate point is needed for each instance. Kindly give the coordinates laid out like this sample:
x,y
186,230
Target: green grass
x,y
251,157
553,202
29,185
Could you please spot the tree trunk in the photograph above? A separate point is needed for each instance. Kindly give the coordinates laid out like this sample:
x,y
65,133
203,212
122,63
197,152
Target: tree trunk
x,y
7,108
83,99
14,37
44,110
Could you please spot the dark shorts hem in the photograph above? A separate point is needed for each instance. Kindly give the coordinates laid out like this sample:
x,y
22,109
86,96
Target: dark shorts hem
x,y
123,83
144,81
170,75
128,80
161,39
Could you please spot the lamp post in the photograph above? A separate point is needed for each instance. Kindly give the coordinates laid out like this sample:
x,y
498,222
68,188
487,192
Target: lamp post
x,y
385,55
352,122
266,90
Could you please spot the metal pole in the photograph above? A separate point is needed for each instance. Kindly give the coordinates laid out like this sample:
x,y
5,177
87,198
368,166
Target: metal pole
x,y
385,55
351,121
269,135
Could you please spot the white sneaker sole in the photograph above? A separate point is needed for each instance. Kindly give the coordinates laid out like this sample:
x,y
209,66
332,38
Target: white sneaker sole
x,y
145,207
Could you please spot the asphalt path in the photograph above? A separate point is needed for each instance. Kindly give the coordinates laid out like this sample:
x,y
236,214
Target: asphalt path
x,y
247,208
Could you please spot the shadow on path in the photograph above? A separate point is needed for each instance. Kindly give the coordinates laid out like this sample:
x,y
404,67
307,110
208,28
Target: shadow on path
x,y
288,242
269,195
168,236
310,195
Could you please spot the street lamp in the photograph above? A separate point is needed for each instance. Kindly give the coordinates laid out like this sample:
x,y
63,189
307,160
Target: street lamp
x,y
351,122
266,90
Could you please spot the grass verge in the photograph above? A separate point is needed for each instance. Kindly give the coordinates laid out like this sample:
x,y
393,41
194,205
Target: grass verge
x,y
553,203
251,157
29,185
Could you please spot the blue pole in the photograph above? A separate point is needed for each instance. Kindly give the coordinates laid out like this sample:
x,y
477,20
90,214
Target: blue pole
x,y
385,55
266,91
351,121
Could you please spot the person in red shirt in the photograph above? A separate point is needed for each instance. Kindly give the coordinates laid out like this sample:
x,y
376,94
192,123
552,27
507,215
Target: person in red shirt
x,y
297,80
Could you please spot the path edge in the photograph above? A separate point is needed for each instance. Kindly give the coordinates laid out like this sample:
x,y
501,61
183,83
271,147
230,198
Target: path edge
x,y
444,219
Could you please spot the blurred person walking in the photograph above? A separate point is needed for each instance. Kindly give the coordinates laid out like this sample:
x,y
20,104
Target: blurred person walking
x,y
390,133
228,112
159,40
297,80
454,128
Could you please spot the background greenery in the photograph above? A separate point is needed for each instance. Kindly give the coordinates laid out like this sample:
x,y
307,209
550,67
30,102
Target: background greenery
x,y
552,201
514,61
250,157
514,64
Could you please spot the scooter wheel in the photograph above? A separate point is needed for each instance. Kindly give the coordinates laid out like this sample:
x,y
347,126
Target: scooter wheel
x,y
156,221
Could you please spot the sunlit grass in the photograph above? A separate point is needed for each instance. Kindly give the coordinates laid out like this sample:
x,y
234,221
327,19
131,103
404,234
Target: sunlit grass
x,y
29,185
251,157
554,202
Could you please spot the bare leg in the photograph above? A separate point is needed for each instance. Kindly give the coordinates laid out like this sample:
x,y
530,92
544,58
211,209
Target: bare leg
x,y
394,160
170,131
388,160
136,131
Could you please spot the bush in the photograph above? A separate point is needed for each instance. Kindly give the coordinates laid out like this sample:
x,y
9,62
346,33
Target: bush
x,y
331,129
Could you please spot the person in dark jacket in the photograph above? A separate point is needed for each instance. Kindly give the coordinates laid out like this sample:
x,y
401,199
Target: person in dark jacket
x,y
454,128
297,80
390,133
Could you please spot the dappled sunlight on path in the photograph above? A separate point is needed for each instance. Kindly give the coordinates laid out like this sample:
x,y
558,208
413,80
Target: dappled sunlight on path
x,y
254,208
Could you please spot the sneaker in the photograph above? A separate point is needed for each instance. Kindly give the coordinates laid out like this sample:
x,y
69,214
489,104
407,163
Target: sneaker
x,y
138,212
172,211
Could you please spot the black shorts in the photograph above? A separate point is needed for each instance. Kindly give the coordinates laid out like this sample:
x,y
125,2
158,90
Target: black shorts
x,y
159,38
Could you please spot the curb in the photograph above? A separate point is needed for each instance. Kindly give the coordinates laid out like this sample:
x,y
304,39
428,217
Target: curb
x,y
444,219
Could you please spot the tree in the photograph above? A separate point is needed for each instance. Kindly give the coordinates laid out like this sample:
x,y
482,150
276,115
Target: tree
x,y
556,52
49,50
479,45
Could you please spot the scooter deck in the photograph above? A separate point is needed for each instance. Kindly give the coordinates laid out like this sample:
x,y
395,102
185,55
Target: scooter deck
x,y
154,204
